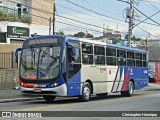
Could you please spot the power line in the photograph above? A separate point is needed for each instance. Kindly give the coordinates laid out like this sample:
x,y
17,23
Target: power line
x,y
147,32
100,8
136,19
146,19
66,18
56,15
153,7
151,1
73,10
31,14
94,11
79,21
31,7
78,26
143,20
146,15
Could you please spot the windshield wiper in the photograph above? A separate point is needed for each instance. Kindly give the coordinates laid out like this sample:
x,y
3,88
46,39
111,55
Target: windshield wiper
x,y
50,56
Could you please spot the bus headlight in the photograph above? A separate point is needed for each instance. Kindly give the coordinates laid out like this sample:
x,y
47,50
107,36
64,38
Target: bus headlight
x,y
55,84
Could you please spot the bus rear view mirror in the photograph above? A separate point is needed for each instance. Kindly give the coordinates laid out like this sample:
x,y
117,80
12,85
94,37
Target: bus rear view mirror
x,y
73,49
16,54
71,52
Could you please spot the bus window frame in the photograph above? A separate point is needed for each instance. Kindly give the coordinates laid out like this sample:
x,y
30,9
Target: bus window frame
x,y
91,54
101,55
113,56
124,57
73,63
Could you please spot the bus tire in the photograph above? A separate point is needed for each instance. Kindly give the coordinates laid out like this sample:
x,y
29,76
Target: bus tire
x,y
130,91
49,98
86,92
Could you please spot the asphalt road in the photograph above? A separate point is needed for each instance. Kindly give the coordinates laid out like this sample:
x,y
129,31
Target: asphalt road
x,y
140,101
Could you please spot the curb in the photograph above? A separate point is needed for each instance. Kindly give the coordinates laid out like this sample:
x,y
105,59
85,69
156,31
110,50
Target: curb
x,y
153,89
41,98
19,99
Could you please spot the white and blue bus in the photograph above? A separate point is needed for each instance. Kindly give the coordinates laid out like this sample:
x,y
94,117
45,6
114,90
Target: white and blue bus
x,y
68,66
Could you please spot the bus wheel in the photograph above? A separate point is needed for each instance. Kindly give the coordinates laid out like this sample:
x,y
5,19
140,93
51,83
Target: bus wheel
x,y
130,90
49,98
86,92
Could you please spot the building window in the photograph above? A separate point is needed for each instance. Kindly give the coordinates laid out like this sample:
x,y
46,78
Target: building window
x,y
3,37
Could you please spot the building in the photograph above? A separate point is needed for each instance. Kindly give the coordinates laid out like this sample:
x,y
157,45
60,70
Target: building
x,y
31,9
20,19
135,43
111,35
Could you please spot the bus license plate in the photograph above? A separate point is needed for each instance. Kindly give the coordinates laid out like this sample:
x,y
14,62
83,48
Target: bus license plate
x,y
37,90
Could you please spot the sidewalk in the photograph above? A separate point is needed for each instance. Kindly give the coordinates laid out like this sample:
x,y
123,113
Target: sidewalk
x,y
15,95
151,87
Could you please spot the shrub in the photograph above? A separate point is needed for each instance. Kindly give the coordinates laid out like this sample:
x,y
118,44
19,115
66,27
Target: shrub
x,y
13,17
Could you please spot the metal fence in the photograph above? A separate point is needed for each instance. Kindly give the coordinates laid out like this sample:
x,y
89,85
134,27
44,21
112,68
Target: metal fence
x,y
7,61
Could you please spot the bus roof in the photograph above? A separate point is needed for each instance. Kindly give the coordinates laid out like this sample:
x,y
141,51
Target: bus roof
x,y
90,41
105,44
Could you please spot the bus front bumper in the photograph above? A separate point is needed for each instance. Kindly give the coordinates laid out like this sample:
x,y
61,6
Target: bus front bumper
x,y
56,91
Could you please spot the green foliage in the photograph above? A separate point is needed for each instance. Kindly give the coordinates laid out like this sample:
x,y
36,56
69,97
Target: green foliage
x,y
133,38
70,35
79,34
82,34
115,40
90,35
60,32
13,17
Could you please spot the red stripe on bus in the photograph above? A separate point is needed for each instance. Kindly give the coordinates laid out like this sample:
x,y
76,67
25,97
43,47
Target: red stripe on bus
x,y
125,81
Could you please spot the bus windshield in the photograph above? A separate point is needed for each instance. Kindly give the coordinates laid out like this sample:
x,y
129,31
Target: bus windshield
x,y
40,62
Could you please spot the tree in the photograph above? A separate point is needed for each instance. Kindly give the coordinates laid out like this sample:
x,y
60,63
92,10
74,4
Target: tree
x,y
90,36
79,34
132,38
126,37
115,40
60,32
82,34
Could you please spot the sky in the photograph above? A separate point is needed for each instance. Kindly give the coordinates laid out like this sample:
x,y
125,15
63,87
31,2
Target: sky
x,y
112,13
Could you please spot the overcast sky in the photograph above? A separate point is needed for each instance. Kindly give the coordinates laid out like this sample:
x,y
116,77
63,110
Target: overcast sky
x,y
112,15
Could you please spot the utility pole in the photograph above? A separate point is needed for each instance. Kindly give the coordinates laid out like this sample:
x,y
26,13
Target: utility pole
x,y
130,16
146,44
50,23
54,9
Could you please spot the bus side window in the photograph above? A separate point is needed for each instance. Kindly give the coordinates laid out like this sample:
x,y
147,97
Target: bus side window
x,y
99,55
111,56
87,53
75,64
121,57
139,62
130,58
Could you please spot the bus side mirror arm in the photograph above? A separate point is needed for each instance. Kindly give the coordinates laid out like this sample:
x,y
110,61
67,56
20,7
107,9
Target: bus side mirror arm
x,y
71,52
16,54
